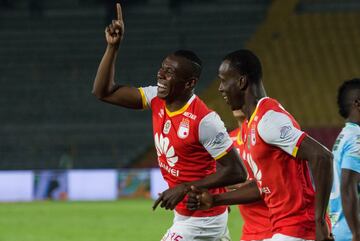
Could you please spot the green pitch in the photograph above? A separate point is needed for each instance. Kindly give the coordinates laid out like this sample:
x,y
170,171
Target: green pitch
x,y
125,220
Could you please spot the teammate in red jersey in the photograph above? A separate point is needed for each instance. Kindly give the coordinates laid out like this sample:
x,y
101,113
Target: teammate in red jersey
x,y
255,215
189,137
279,154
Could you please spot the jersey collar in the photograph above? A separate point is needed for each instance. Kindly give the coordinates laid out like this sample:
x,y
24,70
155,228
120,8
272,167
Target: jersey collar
x,y
239,139
255,111
352,124
182,109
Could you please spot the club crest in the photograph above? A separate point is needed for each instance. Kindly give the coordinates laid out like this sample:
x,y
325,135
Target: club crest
x,y
184,128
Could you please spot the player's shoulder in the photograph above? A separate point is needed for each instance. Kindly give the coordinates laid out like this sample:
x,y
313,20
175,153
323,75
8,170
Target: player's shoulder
x,y
157,102
265,104
271,110
199,108
351,133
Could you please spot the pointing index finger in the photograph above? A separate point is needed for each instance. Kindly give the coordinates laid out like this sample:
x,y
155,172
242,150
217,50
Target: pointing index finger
x,y
118,12
156,203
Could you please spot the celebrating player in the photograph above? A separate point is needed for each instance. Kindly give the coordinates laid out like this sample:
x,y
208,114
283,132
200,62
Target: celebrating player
x,y
189,137
278,153
256,222
344,198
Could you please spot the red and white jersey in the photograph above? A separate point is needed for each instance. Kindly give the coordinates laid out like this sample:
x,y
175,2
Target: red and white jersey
x,y
188,143
271,143
256,219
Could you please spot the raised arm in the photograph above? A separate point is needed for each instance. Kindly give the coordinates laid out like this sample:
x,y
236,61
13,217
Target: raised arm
x,y
104,87
320,160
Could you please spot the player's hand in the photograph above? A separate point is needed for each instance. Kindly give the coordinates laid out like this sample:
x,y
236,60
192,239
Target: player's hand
x,y
323,231
115,31
199,199
171,197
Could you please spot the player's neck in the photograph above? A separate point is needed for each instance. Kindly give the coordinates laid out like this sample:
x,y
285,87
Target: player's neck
x,y
354,118
177,104
254,94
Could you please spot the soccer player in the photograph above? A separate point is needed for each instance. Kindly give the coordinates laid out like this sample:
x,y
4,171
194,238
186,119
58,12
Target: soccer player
x,y
279,154
189,137
344,198
256,222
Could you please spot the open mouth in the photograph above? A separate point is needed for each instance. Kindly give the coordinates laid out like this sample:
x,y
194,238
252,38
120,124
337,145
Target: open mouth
x,y
161,86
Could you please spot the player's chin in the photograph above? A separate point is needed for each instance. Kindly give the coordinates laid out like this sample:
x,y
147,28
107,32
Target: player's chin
x,y
234,106
162,94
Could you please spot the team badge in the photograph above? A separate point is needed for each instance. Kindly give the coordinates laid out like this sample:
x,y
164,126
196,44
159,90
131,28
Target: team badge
x,y
284,131
167,127
184,128
219,138
253,136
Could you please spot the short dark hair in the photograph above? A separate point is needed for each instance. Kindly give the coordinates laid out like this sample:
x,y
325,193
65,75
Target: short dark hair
x,y
196,62
346,95
246,63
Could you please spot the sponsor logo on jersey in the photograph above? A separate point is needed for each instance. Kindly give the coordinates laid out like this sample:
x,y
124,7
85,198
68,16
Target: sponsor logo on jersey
x,y
161,113
189,115
184,128
337,142
167,127
254,168
257,173
284,131
219,138
165,150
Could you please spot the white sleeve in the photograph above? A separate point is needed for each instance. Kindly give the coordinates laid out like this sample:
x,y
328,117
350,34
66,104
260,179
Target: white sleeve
x,y
277,129
213,135
147,94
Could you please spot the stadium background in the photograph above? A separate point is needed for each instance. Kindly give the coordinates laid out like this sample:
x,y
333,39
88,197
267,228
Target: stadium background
x,y
50,50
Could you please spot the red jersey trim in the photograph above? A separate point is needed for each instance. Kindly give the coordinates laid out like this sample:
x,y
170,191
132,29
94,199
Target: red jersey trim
x,y
143,99
298,143
224,153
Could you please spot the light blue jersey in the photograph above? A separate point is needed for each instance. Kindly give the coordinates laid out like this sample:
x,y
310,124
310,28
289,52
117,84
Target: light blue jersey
x,y
346,156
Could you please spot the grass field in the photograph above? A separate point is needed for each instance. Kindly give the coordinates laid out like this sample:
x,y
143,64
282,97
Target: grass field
x,y
125,220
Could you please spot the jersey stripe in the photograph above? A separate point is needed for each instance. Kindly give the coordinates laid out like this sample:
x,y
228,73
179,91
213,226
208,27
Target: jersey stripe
x,y
143,99
296,148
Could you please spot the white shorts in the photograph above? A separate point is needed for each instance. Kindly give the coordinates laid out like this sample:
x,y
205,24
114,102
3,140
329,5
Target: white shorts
x,y
282,237
187,228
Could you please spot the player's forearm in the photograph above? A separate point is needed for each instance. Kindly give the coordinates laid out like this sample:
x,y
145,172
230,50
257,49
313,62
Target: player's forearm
x,y
104,83
322,170
224,176
350,204
248,193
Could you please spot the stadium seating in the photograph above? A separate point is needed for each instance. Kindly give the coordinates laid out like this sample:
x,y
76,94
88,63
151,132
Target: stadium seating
x,y
48,60
307,48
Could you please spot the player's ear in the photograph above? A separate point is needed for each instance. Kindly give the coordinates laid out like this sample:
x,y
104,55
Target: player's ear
x,y
242,82
357,104
190,84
